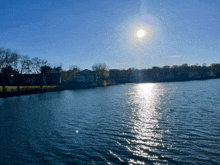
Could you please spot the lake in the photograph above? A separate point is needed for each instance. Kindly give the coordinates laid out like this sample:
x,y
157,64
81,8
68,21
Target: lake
x,y
147,123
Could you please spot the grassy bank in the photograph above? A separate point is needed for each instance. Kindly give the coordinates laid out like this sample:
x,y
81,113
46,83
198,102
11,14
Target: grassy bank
x,y
24,90
11,91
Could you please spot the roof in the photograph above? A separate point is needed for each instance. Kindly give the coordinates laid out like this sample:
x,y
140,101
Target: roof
x,y
86,71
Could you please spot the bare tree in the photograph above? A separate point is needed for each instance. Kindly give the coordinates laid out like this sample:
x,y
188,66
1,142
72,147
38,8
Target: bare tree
x,y
57,69
36,65
8,58
75,69
25,64
101,71
8,66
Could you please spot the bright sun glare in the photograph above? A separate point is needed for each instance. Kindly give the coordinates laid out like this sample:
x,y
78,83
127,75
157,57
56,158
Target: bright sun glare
x,y
140,33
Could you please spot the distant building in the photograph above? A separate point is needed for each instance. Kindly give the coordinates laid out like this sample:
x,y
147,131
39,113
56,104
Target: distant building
x,y
28,80
37,79
210,74
202,75
85,76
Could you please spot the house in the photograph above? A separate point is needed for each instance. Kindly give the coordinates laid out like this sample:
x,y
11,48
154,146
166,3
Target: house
x,y
85,76
28,80
202,74
37,79
210,74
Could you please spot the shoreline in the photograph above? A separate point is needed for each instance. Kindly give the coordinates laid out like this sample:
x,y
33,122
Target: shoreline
x,y
82,86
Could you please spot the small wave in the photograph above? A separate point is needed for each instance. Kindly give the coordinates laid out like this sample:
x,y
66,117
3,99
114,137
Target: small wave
x,y
115,155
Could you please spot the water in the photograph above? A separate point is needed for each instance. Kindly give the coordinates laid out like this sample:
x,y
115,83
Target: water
x,y
154,123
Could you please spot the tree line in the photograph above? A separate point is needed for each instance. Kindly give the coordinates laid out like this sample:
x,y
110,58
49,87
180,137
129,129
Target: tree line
x,y
166,73
13,65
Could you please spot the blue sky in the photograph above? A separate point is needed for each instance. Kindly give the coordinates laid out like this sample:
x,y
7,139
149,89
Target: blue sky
x,y
81,33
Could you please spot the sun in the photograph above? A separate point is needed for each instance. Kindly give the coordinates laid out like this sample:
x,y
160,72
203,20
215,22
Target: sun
x,y
140,33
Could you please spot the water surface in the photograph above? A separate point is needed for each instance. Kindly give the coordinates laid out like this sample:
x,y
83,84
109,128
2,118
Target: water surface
x,y
149,123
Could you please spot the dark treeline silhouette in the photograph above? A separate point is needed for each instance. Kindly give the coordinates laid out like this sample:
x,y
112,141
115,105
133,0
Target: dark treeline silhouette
x,y
166,73
18,70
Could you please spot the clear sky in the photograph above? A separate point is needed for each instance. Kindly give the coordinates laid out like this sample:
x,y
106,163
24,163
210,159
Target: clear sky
x,y
84,32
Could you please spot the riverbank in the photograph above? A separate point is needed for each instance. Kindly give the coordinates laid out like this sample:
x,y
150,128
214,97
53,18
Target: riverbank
x,y
74,86
35,90
11,91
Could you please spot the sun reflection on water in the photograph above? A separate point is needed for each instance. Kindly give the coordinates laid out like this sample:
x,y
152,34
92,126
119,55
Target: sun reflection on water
x,y
148,135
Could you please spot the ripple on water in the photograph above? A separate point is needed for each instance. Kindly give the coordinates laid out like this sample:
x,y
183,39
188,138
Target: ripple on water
x,y
161,123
